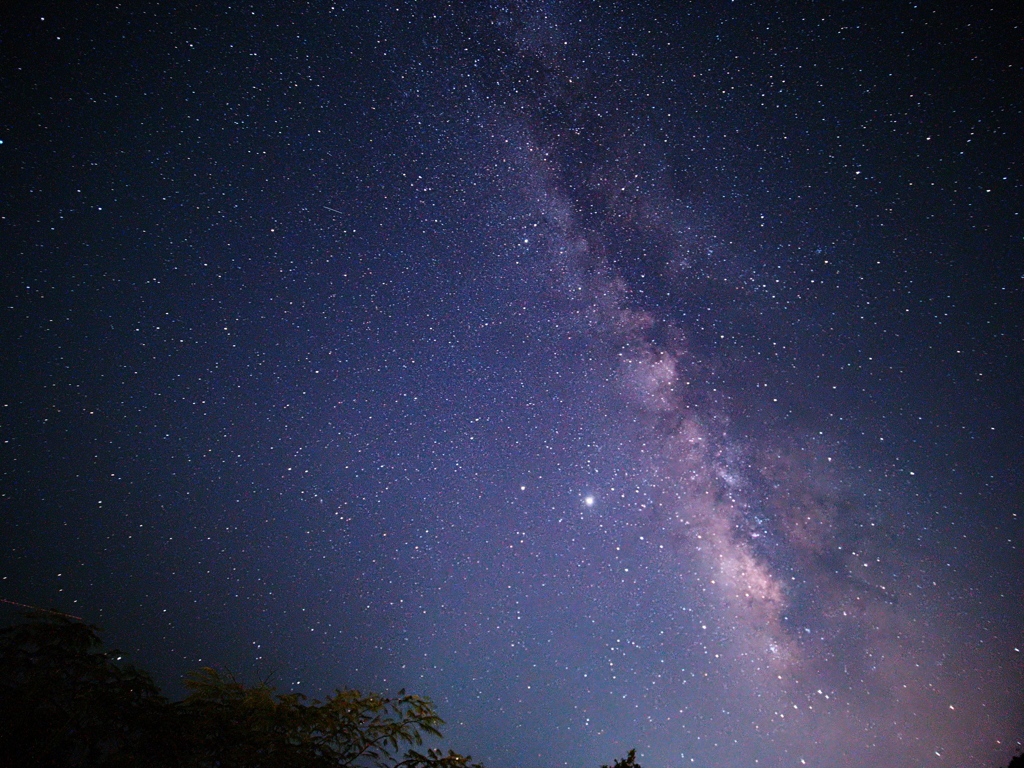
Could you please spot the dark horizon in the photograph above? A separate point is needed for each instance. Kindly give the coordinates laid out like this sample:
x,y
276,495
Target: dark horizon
x,y
613,376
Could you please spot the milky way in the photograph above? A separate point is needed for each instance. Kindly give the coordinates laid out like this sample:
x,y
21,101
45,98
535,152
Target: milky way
x,y
618,378
822,620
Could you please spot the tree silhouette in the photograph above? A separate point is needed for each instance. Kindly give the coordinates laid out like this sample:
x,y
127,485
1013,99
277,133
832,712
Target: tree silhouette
x,y
65,702
628,762
232,725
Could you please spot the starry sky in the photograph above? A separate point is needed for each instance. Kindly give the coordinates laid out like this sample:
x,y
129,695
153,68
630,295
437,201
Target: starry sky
x,y
615,374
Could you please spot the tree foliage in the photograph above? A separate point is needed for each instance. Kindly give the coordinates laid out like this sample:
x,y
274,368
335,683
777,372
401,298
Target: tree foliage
x,y
65,702
254,726
629,761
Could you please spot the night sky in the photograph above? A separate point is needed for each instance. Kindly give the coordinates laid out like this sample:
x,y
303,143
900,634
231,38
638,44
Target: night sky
x,y
615,374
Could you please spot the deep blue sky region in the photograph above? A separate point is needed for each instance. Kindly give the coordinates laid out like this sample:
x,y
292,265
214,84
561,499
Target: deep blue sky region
x,y
615,374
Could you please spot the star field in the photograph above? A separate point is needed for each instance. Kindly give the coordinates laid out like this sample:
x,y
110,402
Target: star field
x,y
615,375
